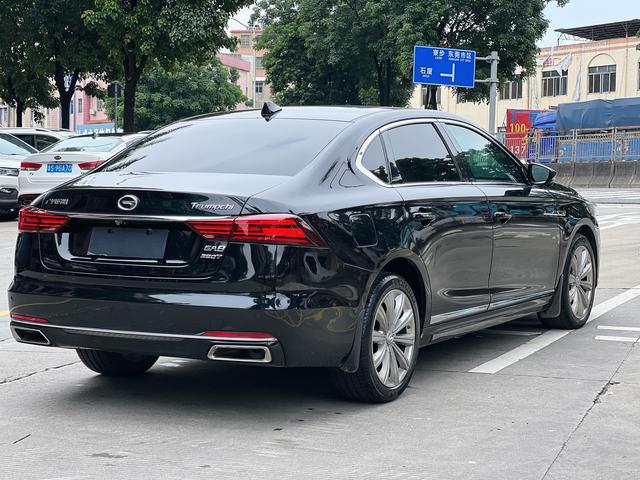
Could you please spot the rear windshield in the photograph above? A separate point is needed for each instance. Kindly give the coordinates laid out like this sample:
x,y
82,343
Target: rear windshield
x,y
216,145
10,145
85,144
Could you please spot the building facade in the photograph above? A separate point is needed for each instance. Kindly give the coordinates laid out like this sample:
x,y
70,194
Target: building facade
x,y
246,39
601,62
244,73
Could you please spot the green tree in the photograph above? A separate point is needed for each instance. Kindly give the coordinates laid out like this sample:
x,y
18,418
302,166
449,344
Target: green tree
x,y
165,96
360,51
23,80
67,45
135,33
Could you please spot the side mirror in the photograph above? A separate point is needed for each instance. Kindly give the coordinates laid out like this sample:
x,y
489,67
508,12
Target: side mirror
x,y
540,174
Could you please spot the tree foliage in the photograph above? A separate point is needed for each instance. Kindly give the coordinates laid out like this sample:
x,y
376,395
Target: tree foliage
x,y
165,96
361,51
23,63
135,33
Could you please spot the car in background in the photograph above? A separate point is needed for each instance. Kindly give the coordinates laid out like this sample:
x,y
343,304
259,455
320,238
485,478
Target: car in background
x,y
66,160
38,138
12,152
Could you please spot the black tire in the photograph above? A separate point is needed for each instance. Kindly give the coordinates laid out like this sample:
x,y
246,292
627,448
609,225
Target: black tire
x,y
116,364
567,319
364,385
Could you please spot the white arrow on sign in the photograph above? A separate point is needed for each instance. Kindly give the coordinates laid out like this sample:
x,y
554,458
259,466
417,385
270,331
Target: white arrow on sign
x,y
451,75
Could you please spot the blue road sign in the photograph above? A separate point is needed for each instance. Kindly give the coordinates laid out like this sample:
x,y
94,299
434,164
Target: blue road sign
x,y
450,67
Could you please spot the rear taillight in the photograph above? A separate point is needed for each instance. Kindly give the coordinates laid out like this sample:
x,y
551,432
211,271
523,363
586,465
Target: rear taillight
x,y
30,166
35,220
90,165
214,229
278,229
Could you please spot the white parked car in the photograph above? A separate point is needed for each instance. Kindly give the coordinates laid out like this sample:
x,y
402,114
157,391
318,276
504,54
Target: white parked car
x,y
12,152
68,159
38,138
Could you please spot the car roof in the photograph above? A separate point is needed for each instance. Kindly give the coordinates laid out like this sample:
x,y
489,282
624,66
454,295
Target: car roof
x,y
33,130
337,113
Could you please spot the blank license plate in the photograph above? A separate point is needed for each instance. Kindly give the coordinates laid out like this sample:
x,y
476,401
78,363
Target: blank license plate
x,y
59,168
141,243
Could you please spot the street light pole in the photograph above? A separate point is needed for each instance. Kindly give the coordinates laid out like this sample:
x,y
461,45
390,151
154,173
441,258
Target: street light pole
x,y
493,81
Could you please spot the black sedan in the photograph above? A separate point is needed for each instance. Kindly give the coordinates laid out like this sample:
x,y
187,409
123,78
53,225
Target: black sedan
x,y
344,238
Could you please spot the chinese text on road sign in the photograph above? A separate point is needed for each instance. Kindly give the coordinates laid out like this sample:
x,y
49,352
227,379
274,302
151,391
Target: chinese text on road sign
x,y
444,66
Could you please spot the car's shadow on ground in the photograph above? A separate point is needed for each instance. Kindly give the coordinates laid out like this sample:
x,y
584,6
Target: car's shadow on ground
x,y
176,386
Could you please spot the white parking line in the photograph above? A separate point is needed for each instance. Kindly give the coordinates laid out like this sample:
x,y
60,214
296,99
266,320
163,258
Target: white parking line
x,y
617,339
547,338
623,329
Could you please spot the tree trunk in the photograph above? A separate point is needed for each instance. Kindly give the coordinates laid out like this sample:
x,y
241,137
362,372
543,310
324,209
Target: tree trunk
x,y
65,111
65,94
129,105
19,112
431,99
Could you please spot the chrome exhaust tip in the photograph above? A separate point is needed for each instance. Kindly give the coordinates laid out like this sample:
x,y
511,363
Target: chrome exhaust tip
x,y
240,353
29,335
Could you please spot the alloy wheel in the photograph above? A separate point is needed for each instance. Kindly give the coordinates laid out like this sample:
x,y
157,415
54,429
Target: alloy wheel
x,y
393,338
580,281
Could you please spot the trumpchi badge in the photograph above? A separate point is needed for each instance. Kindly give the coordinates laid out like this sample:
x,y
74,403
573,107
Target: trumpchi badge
x,y
128,202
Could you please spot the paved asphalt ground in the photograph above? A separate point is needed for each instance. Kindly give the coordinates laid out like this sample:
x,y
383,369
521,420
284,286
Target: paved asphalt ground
x,y
513,402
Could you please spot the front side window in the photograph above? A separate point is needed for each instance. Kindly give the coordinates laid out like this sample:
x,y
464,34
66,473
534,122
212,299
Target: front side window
x,y
418,155
602,79
375,161
483,158
554,84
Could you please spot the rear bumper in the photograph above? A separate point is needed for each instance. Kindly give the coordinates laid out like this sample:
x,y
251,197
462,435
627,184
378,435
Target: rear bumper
x,y
8,192
172,324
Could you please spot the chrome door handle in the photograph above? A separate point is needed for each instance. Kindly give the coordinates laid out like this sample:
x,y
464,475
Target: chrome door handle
x,y
423,215
502,216
557,213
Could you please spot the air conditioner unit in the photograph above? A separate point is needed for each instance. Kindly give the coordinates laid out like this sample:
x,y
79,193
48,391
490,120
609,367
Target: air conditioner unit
x,y
92,111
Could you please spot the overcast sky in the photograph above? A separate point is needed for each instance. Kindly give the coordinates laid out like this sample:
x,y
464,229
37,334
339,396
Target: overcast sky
x,y
576,14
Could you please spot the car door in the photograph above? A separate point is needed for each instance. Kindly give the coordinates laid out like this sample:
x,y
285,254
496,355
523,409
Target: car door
x,y
526,228
450,219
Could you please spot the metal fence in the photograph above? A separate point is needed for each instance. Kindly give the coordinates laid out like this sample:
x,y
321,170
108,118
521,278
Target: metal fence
x,y
576,146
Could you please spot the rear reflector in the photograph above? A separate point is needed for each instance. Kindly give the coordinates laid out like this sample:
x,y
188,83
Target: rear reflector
x,y
35,220
240,335
278,229
28,318
30,166
90,165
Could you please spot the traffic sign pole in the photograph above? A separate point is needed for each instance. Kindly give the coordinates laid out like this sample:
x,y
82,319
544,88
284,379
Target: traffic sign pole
x,y
493,81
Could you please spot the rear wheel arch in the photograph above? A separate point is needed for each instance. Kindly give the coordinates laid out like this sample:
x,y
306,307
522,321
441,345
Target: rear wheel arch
x,y
416,277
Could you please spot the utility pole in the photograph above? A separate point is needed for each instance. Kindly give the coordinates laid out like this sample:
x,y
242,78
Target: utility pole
x,y
493,81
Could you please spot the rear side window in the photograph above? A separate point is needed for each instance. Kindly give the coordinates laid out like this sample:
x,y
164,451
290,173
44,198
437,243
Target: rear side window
x,y
375,160
418,155
484,159
226,145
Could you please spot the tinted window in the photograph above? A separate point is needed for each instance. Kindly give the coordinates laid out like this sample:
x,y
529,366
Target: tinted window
x,y
10,145
419,155
484,158
85,144
26,139
375,161
226,145
43,141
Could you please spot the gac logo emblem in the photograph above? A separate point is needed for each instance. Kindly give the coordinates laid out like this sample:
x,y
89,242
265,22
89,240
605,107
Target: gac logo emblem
x,y
128,202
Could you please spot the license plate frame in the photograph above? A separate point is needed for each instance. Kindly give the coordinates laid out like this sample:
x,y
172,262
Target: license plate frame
x,y
59,168
128,243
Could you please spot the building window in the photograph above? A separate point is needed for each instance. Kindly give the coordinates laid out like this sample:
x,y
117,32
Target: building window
x,y
259,87
553,84
79,105
511,90
258,62
245,40
602,79
100,105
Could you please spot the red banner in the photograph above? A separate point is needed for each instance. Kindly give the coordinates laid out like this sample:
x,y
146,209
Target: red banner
x,y
519,123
